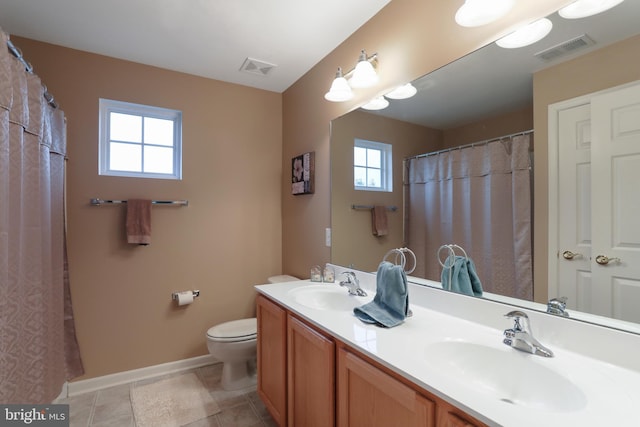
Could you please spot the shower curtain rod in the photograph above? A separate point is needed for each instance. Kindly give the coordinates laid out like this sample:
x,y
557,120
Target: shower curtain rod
x,y
473,144
29,69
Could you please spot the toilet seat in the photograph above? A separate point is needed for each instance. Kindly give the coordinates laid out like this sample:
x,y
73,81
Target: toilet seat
x,y
234,331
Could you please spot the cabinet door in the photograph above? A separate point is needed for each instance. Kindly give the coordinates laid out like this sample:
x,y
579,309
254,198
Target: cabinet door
x,y
272,358
368,397
449,416
311,380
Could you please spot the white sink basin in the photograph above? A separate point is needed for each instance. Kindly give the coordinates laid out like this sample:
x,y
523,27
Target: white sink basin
x,y
327,297
509,375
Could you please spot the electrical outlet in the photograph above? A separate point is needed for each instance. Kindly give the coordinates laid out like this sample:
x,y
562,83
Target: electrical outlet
x,y
327,237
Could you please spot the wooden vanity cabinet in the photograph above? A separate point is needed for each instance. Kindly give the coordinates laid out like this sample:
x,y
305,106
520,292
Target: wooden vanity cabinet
x,y
450,416
368,397
272,358
307,378
311,376
296,368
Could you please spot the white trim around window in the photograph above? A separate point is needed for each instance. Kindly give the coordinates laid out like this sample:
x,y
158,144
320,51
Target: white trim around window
x,y
372,170
139,141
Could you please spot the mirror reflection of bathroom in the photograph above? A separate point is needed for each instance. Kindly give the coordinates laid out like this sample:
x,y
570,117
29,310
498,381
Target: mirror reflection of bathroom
x,y
476,156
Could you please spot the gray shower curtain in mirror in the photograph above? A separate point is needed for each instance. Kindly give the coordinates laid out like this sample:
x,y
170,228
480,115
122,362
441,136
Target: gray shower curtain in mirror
x,y
34,345
478,197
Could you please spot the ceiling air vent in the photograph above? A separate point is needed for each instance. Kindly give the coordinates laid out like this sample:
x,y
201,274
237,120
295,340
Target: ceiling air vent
x,y
258,67
565,48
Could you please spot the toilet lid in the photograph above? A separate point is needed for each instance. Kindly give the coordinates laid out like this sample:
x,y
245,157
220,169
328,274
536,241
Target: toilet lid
x,y
235,330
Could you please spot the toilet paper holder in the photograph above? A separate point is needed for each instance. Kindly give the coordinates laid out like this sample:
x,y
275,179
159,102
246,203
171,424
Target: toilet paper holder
x,y
174,295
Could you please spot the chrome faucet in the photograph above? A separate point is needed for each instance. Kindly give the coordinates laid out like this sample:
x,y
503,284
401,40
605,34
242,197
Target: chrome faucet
x,y
558,306
353,284
520,338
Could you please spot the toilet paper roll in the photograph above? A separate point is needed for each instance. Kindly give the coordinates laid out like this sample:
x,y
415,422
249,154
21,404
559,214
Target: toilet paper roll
x,y
185,297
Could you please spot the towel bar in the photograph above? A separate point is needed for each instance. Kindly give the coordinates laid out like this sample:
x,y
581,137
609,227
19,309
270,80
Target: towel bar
x,y
98,202
401,258
368,207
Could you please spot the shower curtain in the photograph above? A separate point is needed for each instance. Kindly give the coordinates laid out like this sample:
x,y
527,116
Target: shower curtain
x,y
478,197
35,347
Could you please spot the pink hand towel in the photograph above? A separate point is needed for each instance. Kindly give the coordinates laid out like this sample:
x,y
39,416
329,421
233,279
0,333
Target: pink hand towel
x,y
379,221
139,221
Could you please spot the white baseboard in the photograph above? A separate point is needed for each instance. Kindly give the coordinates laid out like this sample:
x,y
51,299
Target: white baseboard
x,y
98,383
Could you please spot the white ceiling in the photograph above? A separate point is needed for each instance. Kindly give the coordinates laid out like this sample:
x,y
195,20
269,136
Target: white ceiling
x,y
208,38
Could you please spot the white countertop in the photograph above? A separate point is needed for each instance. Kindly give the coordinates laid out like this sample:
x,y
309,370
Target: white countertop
x,y
609,393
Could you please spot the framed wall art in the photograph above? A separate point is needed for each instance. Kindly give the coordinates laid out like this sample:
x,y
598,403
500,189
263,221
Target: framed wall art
x,y
302,171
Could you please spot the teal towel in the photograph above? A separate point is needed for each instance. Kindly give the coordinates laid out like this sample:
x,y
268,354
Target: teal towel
x,y
391,303
464,279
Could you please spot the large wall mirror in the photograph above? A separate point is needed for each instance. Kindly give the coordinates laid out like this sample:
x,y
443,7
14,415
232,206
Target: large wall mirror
x,y
485,95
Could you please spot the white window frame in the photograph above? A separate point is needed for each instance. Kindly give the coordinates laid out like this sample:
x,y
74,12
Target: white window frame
x,y
386,165
108,106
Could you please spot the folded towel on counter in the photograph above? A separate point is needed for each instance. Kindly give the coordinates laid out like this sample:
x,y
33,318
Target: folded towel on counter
x,y
390,306
379,224
459,275
139,221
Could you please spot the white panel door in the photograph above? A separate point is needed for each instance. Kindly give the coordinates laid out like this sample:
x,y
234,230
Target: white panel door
x,y
615,154
574,213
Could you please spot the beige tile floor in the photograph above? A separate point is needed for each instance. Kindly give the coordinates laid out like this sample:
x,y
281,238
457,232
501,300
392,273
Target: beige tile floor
x,y
111,407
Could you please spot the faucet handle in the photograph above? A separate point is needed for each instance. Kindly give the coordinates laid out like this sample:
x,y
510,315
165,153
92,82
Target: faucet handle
x,y
516,315
558,306
349,275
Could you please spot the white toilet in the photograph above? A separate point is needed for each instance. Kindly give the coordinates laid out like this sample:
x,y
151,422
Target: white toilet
x,y
234,344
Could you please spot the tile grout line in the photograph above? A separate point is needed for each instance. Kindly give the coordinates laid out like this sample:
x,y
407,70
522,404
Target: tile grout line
x,y
93,409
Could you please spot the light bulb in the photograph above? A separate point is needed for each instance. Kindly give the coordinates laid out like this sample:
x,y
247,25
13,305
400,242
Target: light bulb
x,y
340,90
364,74
526,35
378,103
402,92
584,8
474,13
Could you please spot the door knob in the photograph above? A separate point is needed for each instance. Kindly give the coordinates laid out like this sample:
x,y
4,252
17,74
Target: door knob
x,y
568,255
604,260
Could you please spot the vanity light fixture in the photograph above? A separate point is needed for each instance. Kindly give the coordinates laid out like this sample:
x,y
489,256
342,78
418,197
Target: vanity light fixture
x,y
364,75
361,76
340,90
584,8
526,35
402,92
378,103
474,13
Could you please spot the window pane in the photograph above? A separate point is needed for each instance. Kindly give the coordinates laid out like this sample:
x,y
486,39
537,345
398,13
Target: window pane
x,y
373,158
125,127
359,156
158,160
125,157
158,131
374,178
360,176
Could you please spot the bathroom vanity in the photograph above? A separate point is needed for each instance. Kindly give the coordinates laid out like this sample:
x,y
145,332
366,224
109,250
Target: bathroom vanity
x,y
322,377
318,365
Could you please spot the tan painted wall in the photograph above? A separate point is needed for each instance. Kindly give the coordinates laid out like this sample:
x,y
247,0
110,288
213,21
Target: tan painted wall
x,y
412,38
493,127
352,238
602,69
224,242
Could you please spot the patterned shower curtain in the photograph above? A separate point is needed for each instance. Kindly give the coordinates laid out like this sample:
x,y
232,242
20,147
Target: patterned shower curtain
x,y
34,297
478,197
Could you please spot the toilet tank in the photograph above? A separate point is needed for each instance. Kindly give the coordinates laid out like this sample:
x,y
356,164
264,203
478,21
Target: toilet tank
x,y
282,278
